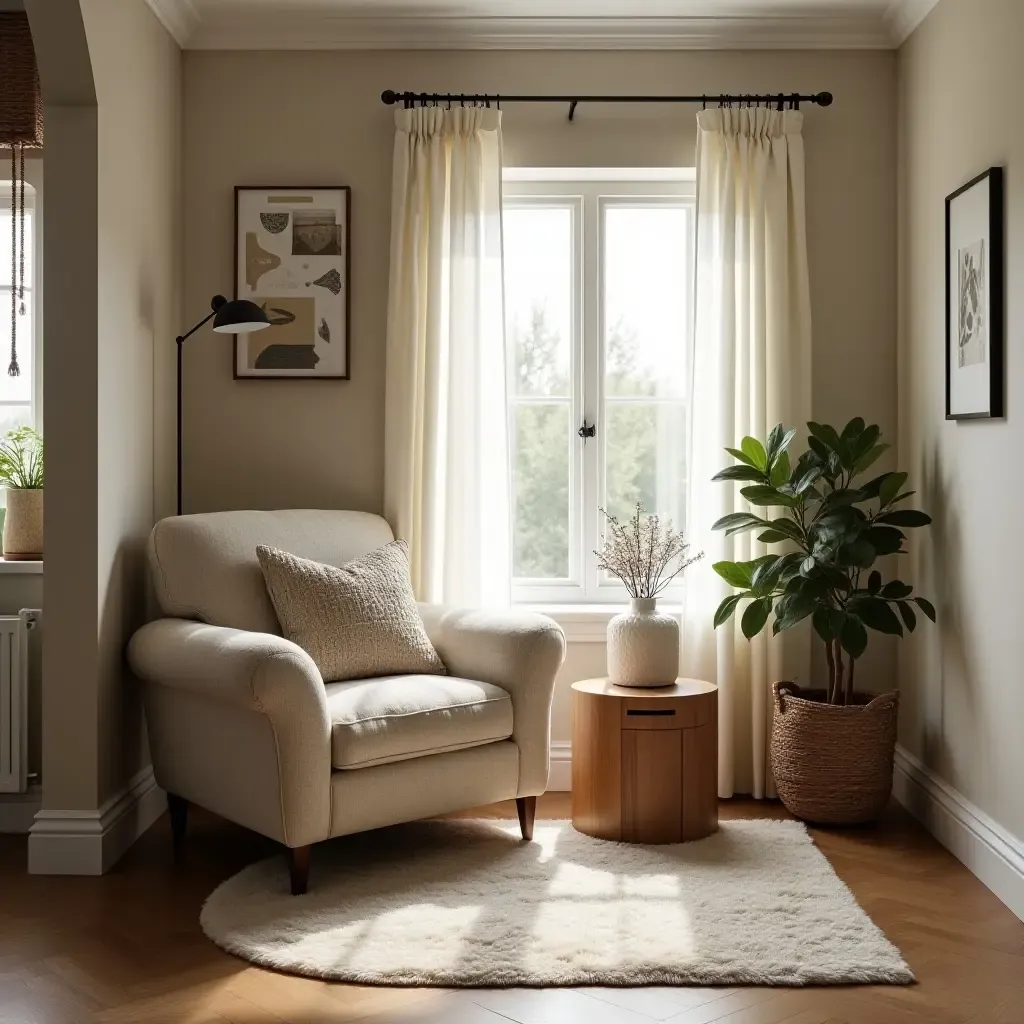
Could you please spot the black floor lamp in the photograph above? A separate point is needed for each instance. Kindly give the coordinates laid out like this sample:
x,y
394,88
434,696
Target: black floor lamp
x,y
239,316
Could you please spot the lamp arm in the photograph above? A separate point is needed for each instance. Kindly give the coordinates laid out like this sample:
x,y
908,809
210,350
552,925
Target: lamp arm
x,y
215,304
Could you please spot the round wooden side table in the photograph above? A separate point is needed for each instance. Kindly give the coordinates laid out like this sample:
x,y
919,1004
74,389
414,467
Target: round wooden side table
x,y
645,761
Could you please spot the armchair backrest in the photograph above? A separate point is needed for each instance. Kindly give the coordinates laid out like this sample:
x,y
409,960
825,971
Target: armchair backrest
x,y
205,567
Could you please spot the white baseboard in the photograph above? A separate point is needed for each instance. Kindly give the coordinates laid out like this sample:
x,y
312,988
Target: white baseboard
x,y
18,810
91,842
560,776
982,844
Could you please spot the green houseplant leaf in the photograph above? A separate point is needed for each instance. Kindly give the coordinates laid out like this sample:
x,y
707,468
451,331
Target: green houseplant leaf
x,y
834,527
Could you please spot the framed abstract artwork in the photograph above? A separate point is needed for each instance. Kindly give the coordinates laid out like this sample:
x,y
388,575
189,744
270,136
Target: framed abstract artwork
x,y
292,258
974,298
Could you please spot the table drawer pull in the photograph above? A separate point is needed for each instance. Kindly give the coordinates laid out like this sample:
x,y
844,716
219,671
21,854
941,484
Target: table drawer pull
x,y
653,711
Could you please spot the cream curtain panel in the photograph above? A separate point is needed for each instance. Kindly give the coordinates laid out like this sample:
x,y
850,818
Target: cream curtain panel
x,y
751,369
446,476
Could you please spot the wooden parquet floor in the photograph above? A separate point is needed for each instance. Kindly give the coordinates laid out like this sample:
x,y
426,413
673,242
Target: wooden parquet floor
x,y
127,948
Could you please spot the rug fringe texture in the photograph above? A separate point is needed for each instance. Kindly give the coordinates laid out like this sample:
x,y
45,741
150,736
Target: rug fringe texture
x,y
468,904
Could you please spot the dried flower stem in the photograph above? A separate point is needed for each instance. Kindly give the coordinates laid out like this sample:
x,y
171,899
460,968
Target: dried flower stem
x,y
645,556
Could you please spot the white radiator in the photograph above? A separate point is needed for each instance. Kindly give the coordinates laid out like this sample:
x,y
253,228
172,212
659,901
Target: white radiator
x,y
14,662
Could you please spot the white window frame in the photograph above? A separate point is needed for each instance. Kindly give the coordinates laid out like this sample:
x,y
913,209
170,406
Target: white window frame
x,y
33,203
589,192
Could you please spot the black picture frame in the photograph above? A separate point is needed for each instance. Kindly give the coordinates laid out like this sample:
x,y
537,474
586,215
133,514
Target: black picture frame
x,y
346,193
995,283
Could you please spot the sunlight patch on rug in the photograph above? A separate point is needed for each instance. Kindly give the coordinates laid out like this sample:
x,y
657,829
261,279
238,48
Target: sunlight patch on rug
x,y
467,903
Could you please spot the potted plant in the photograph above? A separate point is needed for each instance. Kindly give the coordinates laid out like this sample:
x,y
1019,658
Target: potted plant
x,y
643,643
21,469
831,749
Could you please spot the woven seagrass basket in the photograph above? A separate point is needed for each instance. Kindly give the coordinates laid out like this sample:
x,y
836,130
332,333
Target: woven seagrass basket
x,y
832,763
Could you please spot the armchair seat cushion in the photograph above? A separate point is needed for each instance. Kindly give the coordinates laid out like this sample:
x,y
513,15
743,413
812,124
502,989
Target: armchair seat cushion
x,y
392,718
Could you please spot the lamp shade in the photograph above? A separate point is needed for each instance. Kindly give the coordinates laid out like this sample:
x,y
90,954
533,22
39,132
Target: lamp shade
x,y
240,316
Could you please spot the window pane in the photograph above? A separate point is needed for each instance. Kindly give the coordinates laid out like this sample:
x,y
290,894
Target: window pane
x,y
5,249
540,546
539,297
15,389
645,459
646,307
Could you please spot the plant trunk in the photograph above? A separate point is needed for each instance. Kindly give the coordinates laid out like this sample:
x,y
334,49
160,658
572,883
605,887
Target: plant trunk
x,y
848,698
839,672
830,689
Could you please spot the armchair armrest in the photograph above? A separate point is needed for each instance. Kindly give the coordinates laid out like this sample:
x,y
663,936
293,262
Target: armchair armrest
x,y
519,651
207,685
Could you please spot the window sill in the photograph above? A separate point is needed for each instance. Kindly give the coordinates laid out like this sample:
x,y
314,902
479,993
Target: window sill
x,y
587,623
18,568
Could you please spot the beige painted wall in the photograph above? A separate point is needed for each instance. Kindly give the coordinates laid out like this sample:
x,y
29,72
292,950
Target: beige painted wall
x,y
316,118
138,83
960,88
111,78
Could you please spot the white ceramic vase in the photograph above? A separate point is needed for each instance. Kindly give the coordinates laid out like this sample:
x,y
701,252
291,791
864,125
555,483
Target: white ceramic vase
x,y
643,645
23,525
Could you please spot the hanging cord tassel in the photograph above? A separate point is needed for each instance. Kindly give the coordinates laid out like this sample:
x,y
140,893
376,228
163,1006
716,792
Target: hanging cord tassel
x,y
21,232
17,220
14,370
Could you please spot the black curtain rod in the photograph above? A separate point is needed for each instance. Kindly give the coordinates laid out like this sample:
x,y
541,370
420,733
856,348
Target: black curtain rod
x,y
781,100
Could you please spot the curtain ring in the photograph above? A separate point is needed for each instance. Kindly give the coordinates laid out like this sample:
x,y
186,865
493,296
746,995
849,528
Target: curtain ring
x,y
704,102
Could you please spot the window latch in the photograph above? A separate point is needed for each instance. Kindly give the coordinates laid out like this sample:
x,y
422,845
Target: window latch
x,y
587,430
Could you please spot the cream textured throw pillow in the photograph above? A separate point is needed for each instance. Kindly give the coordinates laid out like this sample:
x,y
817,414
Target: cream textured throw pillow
x,y
355,622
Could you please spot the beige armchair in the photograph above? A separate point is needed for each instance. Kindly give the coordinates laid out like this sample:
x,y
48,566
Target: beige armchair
x,y
241,723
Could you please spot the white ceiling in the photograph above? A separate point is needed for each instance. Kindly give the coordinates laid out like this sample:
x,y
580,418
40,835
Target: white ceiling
x,y
540,24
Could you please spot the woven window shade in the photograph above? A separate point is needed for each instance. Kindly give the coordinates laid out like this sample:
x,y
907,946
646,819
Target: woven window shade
x,y
21,128
21,104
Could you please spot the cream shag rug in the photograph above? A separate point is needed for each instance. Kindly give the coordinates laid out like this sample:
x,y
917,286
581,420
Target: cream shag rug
x,y
467,903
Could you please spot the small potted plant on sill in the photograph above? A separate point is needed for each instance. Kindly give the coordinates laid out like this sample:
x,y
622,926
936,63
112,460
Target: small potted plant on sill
x,y
831,749
643,643
21,470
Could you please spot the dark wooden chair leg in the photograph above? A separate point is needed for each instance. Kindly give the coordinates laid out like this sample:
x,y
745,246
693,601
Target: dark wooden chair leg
x,y
177,810
298,868
526,806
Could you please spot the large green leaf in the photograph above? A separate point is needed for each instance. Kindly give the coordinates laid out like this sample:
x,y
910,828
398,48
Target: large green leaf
x,y
736,574
755,616
773,442
780,470
907,613
886,540
726,608
744,458
787,527
740,473
896,590
754,451
853,429
860,553
909,517
890,487
793,608
875,614
870,457
874,582
736,519
926,606
827,622
767,497
854,637
827,434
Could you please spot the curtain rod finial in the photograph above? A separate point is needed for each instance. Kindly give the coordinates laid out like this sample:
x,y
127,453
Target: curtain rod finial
x,y
823,99
389,97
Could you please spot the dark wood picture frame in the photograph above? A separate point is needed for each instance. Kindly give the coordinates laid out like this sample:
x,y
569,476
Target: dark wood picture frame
x,y
346,191
997,298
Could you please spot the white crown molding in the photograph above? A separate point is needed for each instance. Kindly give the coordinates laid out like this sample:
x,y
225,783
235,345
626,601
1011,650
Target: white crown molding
x,y
987,849
91,842
903,16
179,17
300,30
